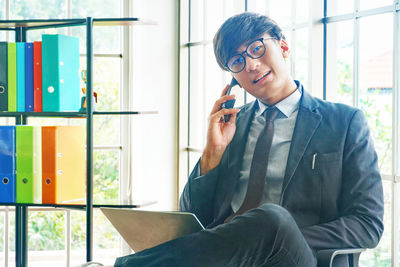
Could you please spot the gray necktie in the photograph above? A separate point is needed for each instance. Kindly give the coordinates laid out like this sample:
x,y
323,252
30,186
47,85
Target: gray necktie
x,y
259,165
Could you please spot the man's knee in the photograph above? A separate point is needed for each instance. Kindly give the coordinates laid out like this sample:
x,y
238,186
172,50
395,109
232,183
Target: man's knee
x,y
271,213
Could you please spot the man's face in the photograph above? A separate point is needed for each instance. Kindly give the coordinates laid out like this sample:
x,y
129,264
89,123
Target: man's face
x,y
267,78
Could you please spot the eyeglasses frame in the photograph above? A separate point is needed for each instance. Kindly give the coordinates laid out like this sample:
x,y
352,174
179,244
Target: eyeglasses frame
x,y
245,51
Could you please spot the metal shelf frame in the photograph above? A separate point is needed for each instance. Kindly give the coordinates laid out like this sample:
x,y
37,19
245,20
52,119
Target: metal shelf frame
x,y
20,27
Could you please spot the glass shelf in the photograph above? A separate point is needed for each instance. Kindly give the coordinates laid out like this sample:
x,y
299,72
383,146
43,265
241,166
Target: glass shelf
x,y
44,23
124,112
81,206
72,114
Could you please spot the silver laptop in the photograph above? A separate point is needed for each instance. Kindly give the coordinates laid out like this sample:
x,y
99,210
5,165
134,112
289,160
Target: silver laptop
x,y
144,229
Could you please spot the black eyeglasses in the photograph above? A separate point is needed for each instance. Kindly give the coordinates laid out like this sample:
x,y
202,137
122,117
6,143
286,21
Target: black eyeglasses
x,y
255,49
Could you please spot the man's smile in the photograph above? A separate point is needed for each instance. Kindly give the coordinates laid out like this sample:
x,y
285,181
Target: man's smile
x,y
263,76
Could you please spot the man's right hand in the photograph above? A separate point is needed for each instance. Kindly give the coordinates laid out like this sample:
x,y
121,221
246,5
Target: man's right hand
x,y
219,133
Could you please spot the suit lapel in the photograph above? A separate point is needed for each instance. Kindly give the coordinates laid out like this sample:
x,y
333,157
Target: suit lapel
x,y
306,124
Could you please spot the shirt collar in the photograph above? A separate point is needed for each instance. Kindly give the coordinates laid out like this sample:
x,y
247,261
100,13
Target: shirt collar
x,y
286,106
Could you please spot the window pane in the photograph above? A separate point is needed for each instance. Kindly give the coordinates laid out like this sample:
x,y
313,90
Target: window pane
x,y
233,7
106,177
280,11
214,17
381,255
301,57
340,62
38,9
2,233
2,13
197,97
288,38
96,8
339,7
196,20
106,240
106,130
78,237
46,242
7,121
369,4
11,238
107,86
106,82
375,83
106,40
46,230
257,6
302,11
38,121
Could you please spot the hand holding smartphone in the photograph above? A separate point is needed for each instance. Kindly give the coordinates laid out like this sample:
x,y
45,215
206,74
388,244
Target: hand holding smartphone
x,y
229,103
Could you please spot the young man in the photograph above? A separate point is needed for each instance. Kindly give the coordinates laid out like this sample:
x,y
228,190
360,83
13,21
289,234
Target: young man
x,y
286,176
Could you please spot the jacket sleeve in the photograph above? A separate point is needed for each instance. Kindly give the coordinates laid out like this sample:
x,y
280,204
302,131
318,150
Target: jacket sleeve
x,y
198,195
361,201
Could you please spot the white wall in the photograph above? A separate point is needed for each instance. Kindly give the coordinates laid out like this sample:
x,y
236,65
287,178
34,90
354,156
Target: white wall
x,y
154,79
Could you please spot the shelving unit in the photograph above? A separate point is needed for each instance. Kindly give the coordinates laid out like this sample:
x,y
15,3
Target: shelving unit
x,y
20,27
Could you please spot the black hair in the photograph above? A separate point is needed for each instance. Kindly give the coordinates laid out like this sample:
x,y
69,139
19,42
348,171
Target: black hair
x,y
239,30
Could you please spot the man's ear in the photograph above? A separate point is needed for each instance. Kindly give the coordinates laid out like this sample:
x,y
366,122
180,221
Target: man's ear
x,y
285,48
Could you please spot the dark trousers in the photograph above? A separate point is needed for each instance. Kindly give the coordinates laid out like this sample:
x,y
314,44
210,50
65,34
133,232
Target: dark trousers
x,y
265,236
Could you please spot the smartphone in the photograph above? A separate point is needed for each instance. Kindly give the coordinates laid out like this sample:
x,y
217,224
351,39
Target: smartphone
x,y
229,103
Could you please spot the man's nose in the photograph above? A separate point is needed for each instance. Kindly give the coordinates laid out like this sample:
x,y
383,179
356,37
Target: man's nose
x,y
251,63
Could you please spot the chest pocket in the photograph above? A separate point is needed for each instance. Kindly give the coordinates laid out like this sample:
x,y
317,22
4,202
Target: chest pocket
x,y
333,157
313,175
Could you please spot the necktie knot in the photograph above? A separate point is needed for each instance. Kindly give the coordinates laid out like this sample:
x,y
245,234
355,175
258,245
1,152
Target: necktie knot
x,y
270,114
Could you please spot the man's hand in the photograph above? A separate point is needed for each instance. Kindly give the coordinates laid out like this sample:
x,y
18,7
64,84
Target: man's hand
x,y
219,133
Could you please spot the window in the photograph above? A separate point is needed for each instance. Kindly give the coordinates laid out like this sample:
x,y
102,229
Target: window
x,y
360,73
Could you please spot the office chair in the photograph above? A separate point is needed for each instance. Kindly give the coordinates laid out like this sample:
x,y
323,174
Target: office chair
x,y
338,257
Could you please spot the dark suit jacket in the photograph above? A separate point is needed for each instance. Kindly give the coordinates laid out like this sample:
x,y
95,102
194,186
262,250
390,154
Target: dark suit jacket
x,y
338,204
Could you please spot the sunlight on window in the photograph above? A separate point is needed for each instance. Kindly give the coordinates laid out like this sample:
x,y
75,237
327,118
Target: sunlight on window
x,y
46,242
106,177
375,93
375,83
301,57
106,240
381,256
339,7
2,234
38,9
340,62
280,11
197,98
369,4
